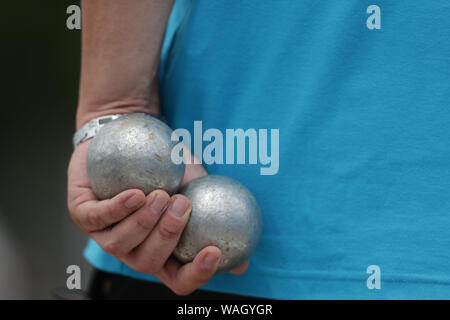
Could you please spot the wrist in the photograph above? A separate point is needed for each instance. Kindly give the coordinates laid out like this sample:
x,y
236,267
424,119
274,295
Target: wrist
x,y
86,114
92,127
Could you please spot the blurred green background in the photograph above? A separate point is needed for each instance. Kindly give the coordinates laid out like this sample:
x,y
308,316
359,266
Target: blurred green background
x,y
40,68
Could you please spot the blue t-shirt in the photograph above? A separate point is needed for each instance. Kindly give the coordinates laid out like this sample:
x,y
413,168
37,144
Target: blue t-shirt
x,y
360,205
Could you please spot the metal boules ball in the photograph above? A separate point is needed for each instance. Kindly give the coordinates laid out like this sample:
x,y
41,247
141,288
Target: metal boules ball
x,y
133,151
224,214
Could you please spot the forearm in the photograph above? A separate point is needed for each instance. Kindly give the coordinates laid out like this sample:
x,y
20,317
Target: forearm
x,y
121,44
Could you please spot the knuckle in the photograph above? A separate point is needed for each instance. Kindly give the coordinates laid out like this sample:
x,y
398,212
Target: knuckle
x,y
112,210
169,231
148,266
114,248
77,216
144,222
77,219
94,220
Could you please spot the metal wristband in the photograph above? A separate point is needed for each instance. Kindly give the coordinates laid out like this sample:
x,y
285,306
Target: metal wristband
x,y
90,129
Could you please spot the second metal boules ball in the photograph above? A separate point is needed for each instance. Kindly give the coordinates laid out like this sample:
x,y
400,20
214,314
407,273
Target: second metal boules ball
x,y
133,152
224,214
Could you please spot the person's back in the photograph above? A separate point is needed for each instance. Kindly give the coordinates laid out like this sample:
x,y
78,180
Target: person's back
x,y
360,96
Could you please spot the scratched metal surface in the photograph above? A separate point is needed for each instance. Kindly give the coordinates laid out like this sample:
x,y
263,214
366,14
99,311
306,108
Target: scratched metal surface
x,y
224,214
133,151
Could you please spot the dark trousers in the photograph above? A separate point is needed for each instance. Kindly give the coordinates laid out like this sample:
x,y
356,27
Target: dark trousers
x,y
109,286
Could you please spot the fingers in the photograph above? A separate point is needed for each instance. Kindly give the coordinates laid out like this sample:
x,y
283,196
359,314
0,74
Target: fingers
x,y
185,279
140,231
132,231
153,253
85,209
94,215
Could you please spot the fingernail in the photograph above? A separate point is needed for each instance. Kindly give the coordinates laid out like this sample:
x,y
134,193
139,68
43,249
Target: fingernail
x,y
133,201
158,204
209,262
179,207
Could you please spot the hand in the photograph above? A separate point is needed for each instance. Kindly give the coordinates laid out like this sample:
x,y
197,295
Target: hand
x,y
141,231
